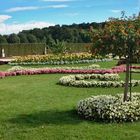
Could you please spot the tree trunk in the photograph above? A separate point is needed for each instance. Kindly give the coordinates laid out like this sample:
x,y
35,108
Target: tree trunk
x,y
126,81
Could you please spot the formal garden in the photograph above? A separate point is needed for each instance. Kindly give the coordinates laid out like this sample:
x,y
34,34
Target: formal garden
x,y
88,95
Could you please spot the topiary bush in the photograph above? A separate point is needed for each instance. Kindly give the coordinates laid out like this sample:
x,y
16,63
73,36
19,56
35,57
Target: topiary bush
x,y
108,108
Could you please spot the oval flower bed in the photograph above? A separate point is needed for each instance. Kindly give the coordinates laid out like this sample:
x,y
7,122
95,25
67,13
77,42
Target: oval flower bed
x,y
110,108
107,80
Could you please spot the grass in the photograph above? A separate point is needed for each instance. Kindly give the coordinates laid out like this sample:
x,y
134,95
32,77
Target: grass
x,y
36,108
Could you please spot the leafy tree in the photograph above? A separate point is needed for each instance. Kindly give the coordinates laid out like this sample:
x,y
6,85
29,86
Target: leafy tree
x,y
31,38
3,40
119,37
38,33
23,38
86,37
13,38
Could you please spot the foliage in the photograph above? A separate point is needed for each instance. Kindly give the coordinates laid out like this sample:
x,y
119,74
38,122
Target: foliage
x,y
58,47
23,38
13,38
75,33
3,40
121,37
32,38
110,108
118,36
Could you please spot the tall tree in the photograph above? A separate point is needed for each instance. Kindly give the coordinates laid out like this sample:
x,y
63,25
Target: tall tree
x,y
119,37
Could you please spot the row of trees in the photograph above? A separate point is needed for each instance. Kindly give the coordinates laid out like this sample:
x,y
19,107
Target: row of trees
x,y
75,33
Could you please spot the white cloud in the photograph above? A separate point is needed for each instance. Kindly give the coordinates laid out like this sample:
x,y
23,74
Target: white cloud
x,y
15,9
4,17
58,6
115,11
56,0
17,27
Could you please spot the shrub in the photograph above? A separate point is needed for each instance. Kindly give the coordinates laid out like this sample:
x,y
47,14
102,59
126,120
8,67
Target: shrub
x,y
110,108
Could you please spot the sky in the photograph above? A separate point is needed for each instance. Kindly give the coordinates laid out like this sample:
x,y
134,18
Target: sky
x,y
18,15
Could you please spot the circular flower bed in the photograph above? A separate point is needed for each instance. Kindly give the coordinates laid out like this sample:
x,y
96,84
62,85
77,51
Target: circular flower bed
x,y
110,108
107,80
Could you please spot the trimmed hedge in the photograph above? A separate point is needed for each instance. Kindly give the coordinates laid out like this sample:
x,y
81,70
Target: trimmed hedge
x,y
22,49
78,47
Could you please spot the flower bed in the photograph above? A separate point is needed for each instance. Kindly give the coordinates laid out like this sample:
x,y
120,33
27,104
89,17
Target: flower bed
x,y
110,108
108,80
90,67
53,57
31,71
71,70
59,59
61,62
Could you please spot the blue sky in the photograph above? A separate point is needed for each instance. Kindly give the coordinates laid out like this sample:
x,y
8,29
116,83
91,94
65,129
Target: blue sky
x,y
16,15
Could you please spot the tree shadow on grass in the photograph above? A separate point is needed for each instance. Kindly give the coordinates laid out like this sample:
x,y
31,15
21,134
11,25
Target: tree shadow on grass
x,y
47,117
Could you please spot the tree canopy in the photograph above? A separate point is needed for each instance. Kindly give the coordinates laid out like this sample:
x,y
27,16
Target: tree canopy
x,y
118,36
75,33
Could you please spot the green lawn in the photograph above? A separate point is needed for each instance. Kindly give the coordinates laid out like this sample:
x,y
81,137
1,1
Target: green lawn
x,y
36,108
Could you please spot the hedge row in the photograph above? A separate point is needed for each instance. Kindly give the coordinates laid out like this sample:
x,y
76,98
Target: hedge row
x,y
39,48
22,49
